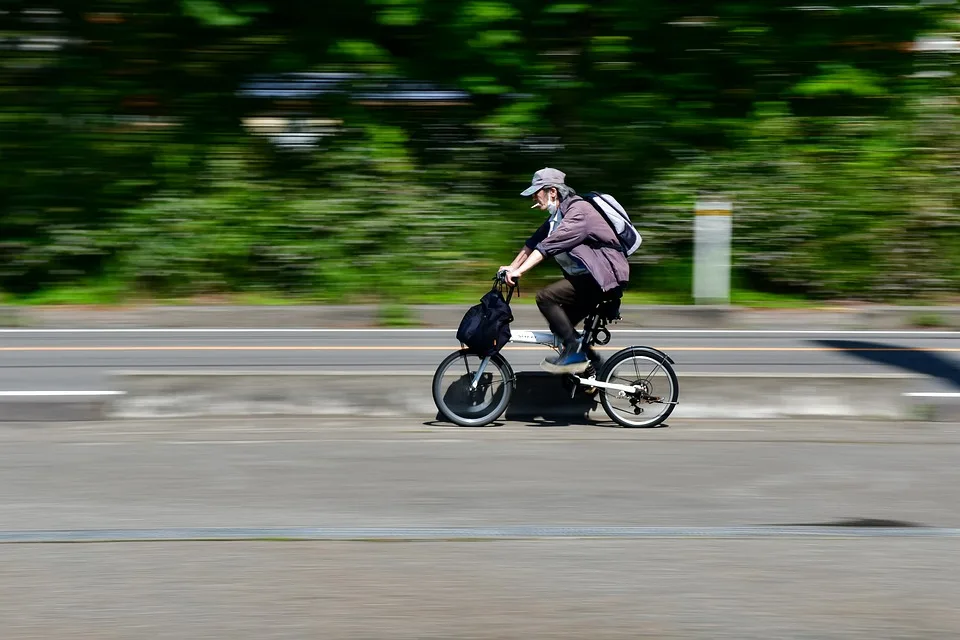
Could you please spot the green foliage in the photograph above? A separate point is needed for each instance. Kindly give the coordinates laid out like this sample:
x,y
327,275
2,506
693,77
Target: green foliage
x,y
865,208
133,161
841,79
213,14
399,13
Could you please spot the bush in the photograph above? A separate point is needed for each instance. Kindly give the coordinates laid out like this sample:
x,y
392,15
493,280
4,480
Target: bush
x,y
857,207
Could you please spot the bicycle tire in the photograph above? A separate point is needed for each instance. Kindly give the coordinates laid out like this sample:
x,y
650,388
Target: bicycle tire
x,y
659,361
483,413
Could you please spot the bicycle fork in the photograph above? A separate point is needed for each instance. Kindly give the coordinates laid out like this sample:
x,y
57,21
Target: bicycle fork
x,y
479,374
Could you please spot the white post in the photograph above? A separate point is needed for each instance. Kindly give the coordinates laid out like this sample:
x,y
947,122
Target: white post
x,y
711,264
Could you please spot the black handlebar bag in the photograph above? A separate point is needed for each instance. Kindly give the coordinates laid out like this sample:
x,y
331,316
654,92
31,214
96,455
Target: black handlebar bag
x,y
485,327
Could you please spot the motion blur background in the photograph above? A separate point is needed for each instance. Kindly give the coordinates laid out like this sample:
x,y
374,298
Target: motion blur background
x,y
374,150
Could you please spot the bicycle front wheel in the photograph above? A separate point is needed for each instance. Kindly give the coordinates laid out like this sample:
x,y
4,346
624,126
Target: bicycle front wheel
x,y
658,388
472,407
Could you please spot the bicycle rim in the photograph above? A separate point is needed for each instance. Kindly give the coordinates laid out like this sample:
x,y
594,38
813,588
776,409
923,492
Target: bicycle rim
x,y
471,407
659,390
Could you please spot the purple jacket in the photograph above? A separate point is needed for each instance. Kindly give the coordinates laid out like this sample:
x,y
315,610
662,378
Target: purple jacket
x,y
587,237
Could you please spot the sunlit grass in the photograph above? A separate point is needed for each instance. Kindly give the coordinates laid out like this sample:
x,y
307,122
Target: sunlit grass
x,y
392,309
662,285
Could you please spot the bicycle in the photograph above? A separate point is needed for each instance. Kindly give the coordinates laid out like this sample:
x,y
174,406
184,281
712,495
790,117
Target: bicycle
x,y
482,393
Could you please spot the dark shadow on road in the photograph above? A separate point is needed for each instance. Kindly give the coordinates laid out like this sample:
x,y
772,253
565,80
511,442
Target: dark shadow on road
x,y
440,421
543,400
548,422
859,523
610,424
917,361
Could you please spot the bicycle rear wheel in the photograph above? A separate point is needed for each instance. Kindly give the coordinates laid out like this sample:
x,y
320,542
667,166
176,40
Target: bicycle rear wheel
x,y
468,407
656,379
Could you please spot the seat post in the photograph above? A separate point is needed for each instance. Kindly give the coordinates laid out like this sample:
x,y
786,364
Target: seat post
x,y
589,328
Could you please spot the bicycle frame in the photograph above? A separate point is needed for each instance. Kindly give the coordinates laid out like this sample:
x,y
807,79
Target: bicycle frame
x,y
593,324
545,338
548,339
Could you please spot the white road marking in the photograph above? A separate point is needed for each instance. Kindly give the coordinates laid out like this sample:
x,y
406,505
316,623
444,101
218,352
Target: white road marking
x,y
932,394
46,394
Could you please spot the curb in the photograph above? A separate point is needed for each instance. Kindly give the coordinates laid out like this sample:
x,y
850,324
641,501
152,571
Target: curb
x,y
539,396
56,406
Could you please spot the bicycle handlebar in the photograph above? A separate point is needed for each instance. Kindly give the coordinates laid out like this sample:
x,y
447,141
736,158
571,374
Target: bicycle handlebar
x,y
501,278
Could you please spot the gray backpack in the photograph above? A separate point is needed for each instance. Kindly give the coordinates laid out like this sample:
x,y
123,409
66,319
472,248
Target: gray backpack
x,y
616,216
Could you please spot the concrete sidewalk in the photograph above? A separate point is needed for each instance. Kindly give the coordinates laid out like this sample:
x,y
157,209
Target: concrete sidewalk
x,y
537,395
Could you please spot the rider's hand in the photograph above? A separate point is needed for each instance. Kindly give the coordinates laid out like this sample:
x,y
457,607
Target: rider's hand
x,y
512,275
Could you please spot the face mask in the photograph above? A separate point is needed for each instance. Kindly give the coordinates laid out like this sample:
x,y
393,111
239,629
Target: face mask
x,y
552,207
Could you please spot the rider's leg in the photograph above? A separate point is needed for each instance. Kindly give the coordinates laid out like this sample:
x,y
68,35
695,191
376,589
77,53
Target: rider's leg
x,y
591,297
552,301
577,315
560,303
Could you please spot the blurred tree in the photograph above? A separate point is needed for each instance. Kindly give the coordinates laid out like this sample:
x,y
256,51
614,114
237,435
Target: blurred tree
x,y
126,149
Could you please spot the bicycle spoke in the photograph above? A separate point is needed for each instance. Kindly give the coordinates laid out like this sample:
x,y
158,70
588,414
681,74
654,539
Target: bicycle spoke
x,y
659,366
621,411
644,407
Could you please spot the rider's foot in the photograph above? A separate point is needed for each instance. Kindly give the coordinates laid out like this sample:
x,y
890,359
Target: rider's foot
x,y
596,362
570,360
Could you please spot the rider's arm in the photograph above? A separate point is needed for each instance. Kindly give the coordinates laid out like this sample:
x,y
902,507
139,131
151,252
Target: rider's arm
x,y
521,257
538,236
533,260
529,246
572,231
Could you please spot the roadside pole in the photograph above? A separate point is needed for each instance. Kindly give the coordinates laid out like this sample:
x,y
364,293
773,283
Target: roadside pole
x,y
712,239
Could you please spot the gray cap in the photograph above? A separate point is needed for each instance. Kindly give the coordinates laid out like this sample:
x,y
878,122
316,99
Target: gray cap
x,y
544,178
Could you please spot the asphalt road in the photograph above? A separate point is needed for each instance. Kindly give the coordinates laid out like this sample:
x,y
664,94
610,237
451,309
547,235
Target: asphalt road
x,y
77,360
701,478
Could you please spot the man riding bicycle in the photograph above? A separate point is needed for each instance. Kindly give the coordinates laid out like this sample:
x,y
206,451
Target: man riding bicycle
x,y
587,249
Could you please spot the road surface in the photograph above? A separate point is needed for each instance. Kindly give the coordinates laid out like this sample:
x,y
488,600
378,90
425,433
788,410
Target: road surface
x,y
78,359
705,480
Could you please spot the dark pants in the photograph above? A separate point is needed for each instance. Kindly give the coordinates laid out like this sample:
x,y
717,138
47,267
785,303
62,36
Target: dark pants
x,y
567,302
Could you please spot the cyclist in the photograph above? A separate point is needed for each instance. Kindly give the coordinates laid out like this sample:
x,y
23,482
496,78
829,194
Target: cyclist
x,y
594,265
